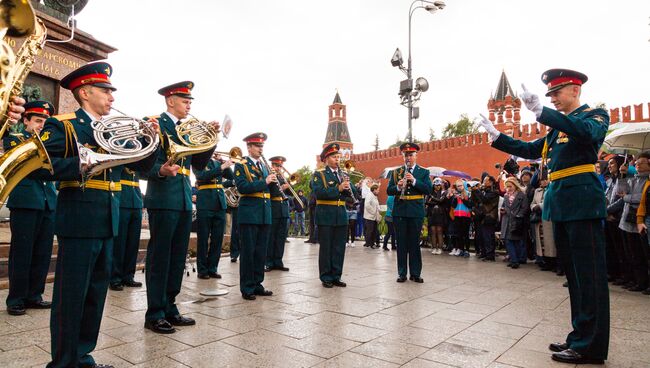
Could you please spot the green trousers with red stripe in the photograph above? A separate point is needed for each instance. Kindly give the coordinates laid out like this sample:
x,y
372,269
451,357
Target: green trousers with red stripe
x,y
581,250
80,285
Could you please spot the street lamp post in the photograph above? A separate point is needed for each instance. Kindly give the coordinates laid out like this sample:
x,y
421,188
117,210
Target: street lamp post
x,y
411,94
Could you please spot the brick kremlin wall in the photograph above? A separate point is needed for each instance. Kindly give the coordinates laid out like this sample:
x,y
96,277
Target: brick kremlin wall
x,y
471,153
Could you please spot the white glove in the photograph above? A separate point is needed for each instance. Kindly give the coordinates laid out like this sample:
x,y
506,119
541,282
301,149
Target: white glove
x,y
531,101
493,133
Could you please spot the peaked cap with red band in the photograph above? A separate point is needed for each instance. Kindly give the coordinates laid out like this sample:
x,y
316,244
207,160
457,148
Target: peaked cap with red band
x,y
96,74
256,138
330,149
278,160
409,147
558,78
41,108
181,89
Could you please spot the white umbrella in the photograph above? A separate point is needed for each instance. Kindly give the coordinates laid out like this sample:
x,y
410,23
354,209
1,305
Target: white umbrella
x,y
384,174
629,137
436,171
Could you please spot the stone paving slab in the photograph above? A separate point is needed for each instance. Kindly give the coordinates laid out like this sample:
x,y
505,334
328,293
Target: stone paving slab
x,y
466,314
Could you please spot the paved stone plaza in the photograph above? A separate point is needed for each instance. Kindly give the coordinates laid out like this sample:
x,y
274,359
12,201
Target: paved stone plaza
x,y
466,314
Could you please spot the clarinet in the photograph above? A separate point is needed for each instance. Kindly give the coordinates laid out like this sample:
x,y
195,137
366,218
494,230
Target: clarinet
x,y
277,182
406,184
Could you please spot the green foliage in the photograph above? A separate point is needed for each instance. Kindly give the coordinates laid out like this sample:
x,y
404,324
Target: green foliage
x,y
303,184
463,126
432,135
399,141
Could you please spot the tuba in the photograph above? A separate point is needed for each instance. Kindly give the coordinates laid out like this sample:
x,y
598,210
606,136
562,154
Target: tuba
x,y
17,18
123,138
196,136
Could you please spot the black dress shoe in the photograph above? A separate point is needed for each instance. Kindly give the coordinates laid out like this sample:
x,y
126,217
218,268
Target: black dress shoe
x,y
328,284
248,296
646,291
401,279
418,279
179,320
116,287
566,284
385,248
263,292
16,310
637,288
102,366
488,259
339,283
160,326
132,283
214,275
573,357
515,266
282,268
233,260
558,346
267,269
203,276
41,304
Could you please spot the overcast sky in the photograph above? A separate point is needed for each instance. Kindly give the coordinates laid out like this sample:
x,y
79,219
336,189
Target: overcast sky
x,y
275,65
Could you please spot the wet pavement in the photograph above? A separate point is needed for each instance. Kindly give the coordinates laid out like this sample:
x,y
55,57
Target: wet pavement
x,y
467,313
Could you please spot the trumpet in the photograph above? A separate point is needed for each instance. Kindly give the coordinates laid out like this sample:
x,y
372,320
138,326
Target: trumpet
x,y
235,155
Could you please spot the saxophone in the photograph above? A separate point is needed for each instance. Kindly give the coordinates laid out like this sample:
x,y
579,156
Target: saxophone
x,y
29,155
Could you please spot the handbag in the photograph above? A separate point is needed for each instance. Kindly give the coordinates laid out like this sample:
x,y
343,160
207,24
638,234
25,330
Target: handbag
x,y
535,216
631,215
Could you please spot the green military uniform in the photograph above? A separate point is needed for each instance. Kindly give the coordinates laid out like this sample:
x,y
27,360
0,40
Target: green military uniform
x,y
87,220
332,221
408,215
211,216
575,203
279,225
254,217
169,204
127,242
32,203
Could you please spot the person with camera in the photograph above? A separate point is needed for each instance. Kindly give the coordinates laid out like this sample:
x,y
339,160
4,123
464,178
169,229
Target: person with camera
x,y
513,225
459,199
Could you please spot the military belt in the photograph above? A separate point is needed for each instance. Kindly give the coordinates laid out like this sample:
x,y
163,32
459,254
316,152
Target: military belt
x,y
257,195
130,183
211,186
570,171
330,203
277,199
412,197
109,186
184,171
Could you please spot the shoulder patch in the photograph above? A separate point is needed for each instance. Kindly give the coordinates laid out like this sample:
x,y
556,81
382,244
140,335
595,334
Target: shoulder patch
x,y
599,118
237,173
67,116
45,136
12,144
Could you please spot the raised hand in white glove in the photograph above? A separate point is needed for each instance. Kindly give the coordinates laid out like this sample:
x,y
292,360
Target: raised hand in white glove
x,y
493,133
531,101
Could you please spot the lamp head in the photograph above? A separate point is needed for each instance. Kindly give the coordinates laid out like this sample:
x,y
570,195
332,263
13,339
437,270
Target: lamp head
x,y
421,84
397,60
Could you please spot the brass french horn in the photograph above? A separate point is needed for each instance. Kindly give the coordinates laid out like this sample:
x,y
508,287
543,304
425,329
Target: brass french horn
x,y
196,136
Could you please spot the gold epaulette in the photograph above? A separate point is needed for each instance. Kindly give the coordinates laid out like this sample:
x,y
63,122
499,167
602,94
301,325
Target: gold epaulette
x,y
67,116
153,117
320,170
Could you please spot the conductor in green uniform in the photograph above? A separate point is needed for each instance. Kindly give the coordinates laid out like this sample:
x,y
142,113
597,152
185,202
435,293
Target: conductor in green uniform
x,y
127,242
409,184
31,204
279,218
331,187
210,216
575,203
169,204
86,221
253,179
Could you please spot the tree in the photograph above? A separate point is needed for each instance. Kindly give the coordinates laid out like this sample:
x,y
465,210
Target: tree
x,y
305,174
463,126
376,142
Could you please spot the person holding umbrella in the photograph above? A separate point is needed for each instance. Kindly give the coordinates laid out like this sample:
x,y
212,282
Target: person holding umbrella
x,y
575,203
